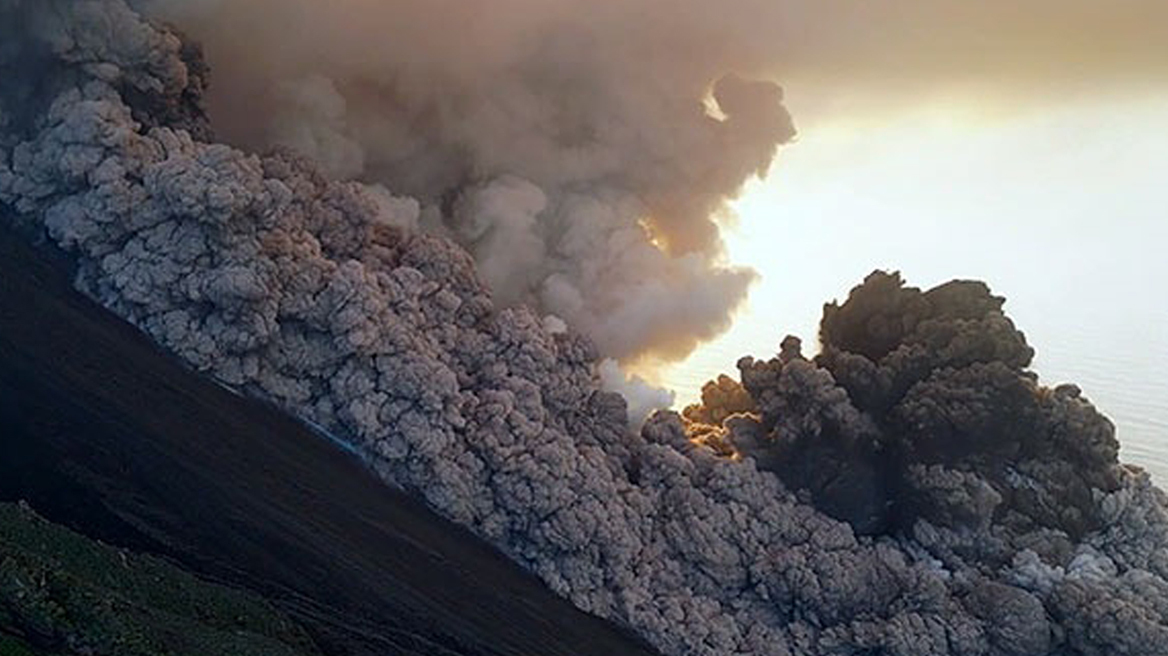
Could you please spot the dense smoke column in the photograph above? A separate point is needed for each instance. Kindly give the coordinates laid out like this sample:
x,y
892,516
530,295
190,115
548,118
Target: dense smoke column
x,y
922,407
319,296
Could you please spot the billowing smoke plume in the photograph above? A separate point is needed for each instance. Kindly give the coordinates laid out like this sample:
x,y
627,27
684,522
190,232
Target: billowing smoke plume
x,y
571,152
565,143
920,409
317,295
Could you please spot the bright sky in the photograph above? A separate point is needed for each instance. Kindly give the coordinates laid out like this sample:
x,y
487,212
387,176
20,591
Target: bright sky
x,y
1059,208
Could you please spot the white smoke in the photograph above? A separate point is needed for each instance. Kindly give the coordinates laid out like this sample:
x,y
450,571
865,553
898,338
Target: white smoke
x,y
642,397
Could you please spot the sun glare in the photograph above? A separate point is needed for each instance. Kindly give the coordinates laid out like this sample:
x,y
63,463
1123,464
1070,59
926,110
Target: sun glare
x,y
646,225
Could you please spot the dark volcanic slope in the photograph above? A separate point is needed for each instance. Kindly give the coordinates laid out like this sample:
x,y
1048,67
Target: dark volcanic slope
x,y
63,592
105,433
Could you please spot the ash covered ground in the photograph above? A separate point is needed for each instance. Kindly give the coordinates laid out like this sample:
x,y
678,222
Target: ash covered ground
x,y
911,490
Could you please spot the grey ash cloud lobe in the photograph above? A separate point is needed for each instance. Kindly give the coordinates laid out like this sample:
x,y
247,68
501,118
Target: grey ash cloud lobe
x,y
567,148
324,298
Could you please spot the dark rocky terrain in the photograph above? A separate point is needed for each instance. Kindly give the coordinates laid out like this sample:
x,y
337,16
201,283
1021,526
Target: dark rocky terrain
x,y
106,434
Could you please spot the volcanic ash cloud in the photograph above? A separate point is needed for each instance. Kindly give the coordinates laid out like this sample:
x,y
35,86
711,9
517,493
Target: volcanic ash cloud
x,y
570,147
989,514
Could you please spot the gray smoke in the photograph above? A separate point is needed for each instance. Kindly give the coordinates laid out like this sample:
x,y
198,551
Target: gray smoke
x,y
319,296
570,152
566,144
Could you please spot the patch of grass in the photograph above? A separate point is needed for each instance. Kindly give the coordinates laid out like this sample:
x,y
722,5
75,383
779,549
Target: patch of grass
x,y
66,593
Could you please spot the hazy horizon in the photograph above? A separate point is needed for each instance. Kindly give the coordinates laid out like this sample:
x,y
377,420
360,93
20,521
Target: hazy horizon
x,y
1059,209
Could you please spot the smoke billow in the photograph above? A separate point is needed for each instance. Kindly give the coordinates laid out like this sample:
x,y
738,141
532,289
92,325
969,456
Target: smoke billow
x,y
920,408
993,516
568,148
572,147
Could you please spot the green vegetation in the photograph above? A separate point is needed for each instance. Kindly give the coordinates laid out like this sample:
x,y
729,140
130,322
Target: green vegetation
x,y
63,593
10,646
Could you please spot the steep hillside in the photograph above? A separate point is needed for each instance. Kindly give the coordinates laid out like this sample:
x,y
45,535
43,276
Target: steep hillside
x,y
106,433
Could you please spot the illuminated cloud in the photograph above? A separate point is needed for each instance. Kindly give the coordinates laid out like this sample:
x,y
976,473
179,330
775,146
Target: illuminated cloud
x,y
540,135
